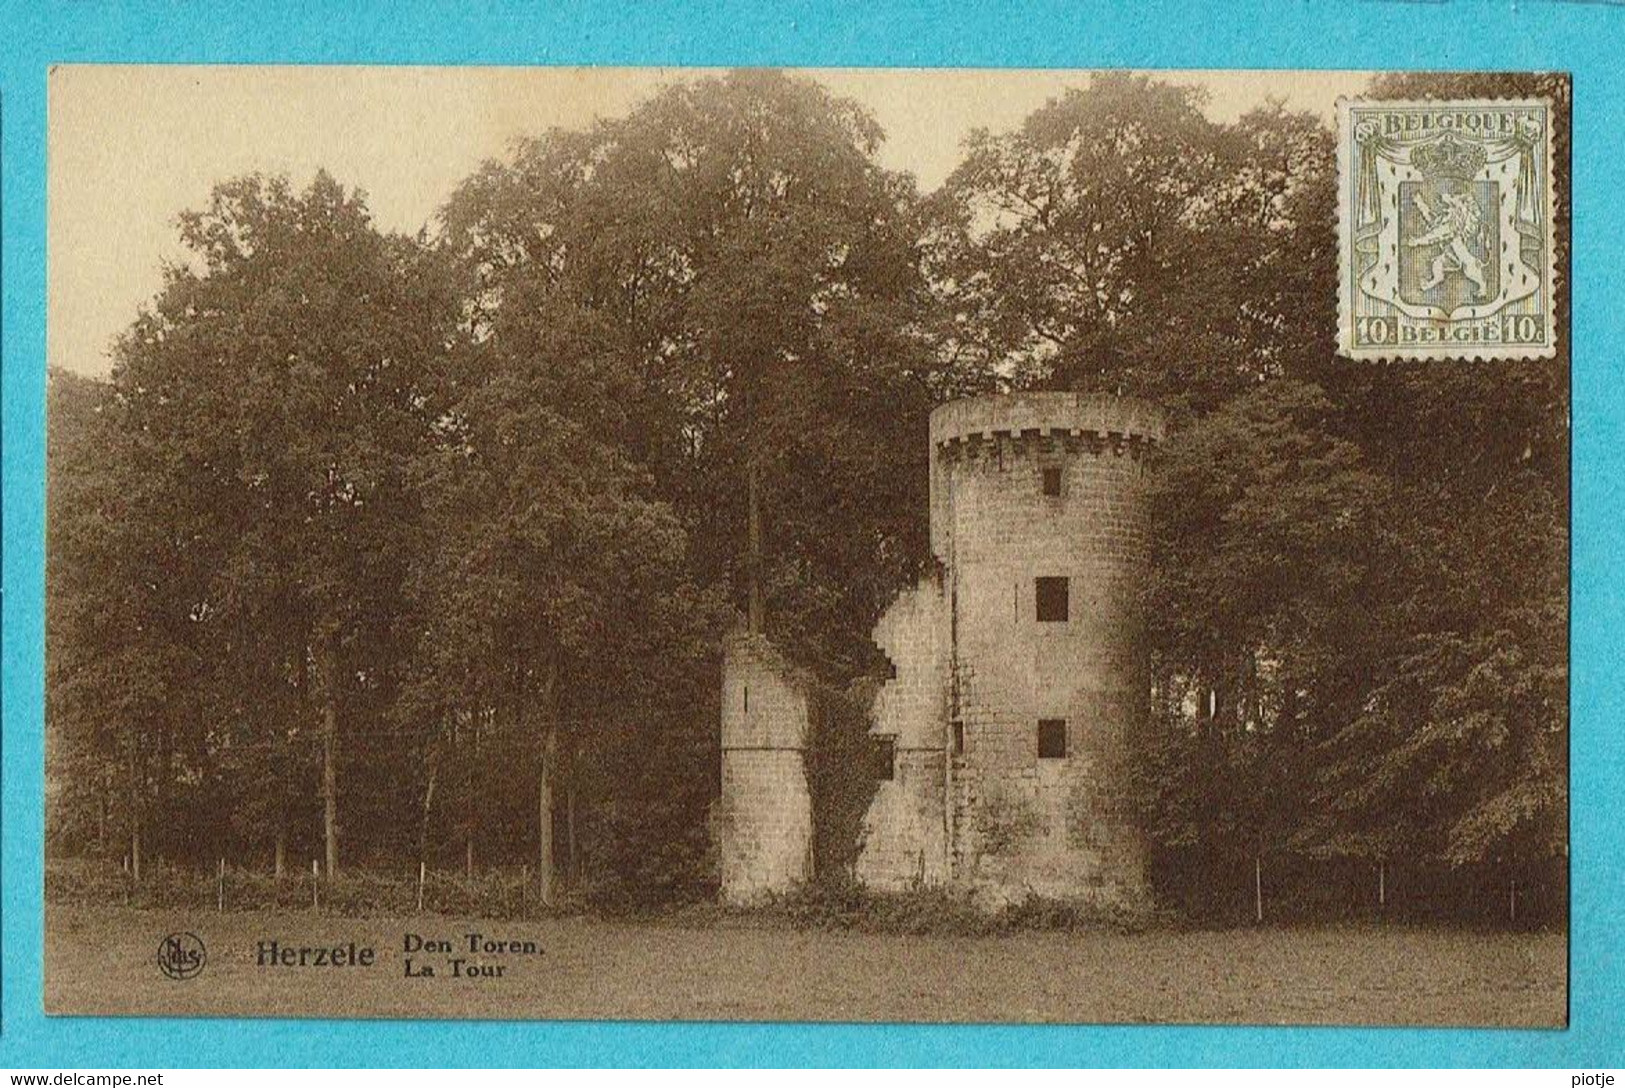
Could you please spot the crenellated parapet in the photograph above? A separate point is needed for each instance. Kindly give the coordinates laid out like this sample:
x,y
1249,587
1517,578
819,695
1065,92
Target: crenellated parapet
x,y
1002,433
1100,419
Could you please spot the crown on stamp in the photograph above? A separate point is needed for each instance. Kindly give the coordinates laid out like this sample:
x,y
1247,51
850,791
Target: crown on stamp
x,y
1448,157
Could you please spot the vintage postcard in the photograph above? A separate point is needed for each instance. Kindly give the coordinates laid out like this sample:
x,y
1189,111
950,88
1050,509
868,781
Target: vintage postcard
x,y
856,545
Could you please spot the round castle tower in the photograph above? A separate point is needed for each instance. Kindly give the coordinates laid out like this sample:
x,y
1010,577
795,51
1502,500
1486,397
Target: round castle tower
x,y
1038,517
1019,672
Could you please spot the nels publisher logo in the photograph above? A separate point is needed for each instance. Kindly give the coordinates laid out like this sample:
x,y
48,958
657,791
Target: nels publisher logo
x,y
181,956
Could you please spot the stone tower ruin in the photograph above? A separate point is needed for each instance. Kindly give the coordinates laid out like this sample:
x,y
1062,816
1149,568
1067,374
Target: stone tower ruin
x,y
1019,672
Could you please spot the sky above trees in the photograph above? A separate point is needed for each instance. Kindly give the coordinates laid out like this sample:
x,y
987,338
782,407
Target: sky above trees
x,y
132,147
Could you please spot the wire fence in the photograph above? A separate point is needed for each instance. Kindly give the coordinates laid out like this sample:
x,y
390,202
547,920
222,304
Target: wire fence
x,y
360,892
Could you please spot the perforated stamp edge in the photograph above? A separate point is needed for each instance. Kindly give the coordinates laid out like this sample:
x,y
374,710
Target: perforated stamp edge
x,y
1346,309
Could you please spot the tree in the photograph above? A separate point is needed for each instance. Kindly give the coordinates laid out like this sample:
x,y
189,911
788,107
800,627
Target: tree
x,y
111,634
1357,593
550,586
274,397
756,282
1058,236
1271,546
1462,745
1120,241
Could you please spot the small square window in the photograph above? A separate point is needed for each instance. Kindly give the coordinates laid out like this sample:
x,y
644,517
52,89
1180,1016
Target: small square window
x,y
959,737
1052,600
1052,738
1052,481
885,754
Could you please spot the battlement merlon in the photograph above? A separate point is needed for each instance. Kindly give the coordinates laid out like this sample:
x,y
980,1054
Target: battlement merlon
x,y
1094,421
1045,413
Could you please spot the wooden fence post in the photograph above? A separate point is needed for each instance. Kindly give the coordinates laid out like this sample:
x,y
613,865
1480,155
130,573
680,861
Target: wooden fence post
x,y
423,873
315,883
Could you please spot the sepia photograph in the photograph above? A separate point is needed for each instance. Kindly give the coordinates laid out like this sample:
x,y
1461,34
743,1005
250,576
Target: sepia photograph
x,y
858,545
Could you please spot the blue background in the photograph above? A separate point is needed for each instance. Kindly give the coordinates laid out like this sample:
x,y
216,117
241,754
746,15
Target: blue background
x,y
1587,39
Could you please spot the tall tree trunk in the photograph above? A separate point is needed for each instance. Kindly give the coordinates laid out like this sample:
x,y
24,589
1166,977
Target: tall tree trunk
x,y
547,751
103,807
327,666
570,828
279,862
475,722
544,815
756,616
296,705
134,771
428,803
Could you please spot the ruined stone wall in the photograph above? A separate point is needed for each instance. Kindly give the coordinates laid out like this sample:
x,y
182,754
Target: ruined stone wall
x,y
970,800
903,832
1022,824
764,816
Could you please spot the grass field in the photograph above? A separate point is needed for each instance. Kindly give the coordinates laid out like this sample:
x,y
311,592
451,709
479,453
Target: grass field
x,y
104,961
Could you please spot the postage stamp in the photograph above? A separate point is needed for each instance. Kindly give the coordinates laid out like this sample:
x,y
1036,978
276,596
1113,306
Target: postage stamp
x,y
1445,229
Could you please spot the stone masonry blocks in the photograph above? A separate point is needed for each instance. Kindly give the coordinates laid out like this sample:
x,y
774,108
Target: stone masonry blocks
x,y
1040,485
764,815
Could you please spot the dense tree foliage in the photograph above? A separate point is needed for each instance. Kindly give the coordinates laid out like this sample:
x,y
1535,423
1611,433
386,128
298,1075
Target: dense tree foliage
x,y
755,295
1362,591
421,548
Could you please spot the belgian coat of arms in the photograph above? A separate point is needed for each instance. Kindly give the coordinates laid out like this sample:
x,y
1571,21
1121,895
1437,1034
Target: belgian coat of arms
x,y
1445,230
